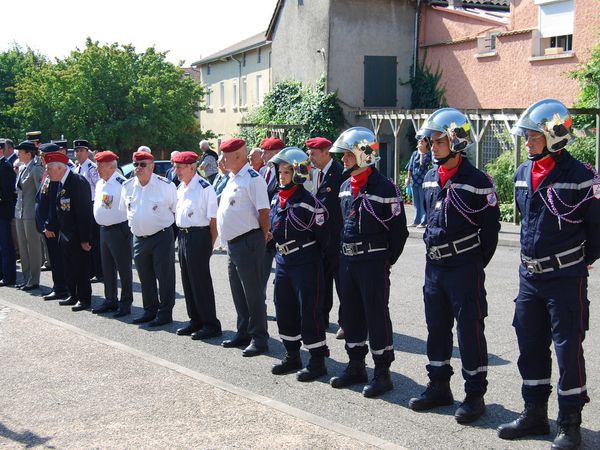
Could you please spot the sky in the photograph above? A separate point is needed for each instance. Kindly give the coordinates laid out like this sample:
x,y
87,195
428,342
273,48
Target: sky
x,y
188,29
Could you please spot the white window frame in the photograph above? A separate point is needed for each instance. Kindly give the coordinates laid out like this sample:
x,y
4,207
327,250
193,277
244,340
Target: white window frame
x,y
234,93
244,91
222,95
260,92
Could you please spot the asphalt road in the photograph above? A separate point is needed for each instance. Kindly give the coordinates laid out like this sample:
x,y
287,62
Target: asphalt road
x,y
388,417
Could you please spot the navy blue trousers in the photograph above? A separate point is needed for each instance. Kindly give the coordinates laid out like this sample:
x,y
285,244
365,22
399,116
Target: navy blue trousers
x,y
299,296
365,289
57,265
8,259
546,311
456,293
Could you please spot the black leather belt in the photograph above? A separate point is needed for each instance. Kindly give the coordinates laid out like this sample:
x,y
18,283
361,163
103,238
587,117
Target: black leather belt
x,y
152,235
242,236
558,261
292,246
116,225
437,252
192,229
360,248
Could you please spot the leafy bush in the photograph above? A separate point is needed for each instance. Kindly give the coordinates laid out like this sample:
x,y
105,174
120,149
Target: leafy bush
x,y
291,103
502,170
425,90
584,149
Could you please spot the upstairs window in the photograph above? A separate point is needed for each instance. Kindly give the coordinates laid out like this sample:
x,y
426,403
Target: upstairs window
x,y
556,26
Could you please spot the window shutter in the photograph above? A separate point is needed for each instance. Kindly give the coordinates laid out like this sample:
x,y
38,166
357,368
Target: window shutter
x,y
556,19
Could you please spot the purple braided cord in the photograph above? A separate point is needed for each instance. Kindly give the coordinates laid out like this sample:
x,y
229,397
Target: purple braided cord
x,y
368,206
298,223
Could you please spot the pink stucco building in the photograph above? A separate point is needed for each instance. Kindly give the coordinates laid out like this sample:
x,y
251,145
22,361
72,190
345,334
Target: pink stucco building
x,y
509,56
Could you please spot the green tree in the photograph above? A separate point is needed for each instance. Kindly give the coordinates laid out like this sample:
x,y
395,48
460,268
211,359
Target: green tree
x,y
14,63
291,103
115,97
425,90
588,76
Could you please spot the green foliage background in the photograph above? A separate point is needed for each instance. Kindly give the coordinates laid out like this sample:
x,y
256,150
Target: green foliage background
x,y
292,103
111,95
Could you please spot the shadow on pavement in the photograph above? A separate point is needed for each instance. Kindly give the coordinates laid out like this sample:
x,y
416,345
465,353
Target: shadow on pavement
x,y
27,438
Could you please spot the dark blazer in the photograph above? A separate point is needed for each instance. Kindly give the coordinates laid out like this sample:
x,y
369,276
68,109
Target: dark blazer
x,y
7,189
74,209
328,193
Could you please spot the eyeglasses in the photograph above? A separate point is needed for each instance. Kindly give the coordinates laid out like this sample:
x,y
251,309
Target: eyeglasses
x,y
143,165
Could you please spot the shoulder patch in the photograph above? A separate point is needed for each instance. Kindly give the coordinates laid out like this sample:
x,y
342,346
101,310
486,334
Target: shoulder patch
x,y
253,173
203,183
121,180
163,179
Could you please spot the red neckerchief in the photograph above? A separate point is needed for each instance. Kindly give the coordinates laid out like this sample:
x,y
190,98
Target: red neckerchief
x,y
446,174
285,194
358,181
540,170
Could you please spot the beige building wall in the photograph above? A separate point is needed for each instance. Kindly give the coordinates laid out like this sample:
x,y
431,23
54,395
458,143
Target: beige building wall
x,y
236,86
517,73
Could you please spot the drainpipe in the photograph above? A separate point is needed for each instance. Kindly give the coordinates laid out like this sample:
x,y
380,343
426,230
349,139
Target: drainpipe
x,y
416,43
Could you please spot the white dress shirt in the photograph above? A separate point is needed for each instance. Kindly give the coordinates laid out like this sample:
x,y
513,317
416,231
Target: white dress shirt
x,y
242,198
149,208
89,171
107,200
196,203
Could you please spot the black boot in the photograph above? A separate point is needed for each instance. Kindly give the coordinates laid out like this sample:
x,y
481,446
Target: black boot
x,y
568,435
380,384
471,409
533,421
315,369
438,393
290,363
354,373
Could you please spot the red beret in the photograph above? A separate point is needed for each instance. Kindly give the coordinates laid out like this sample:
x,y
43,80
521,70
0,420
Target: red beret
x,y
318,142
185,158
232,145
272,143
106,156
56,157
140,156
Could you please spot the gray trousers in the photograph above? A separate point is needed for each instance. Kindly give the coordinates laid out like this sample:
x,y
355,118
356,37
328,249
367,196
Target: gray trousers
x,y
154,258
30,250
245,266
115,253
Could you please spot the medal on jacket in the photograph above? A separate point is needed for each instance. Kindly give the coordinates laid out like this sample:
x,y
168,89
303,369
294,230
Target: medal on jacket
x,y
65,204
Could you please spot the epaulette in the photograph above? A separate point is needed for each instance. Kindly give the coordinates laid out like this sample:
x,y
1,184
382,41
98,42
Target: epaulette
x,y
253,173
163,179
121,180
203,183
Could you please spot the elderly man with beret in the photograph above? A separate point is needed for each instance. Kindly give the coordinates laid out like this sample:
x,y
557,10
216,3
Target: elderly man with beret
x,y
74,213
243,221
115,237
150,202
196,220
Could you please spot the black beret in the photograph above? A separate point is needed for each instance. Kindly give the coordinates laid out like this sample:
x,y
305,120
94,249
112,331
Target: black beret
x,y
81,143
34,136
26,145
50,147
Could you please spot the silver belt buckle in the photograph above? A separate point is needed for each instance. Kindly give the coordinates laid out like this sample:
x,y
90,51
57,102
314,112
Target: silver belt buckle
x,y
434,253
282,249
532,266
349,249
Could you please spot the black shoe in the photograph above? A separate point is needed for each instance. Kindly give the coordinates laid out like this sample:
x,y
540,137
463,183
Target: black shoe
x,y
380,384
254,350
533,421
69,301
80,306
19,286
187,330
160,322
237,341
568,434
316,368
206,333
438,393
143,319
31,287
105,308
121,313
290,363
471,409
7,283
354,373
55,296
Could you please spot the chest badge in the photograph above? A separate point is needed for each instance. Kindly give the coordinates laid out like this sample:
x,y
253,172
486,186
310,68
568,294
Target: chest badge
x,y
438,204
107,201
492,199
596,188
320,219
65,204
396,208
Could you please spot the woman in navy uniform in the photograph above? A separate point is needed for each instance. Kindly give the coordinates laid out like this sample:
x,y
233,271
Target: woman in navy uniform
x,y
299,228
559,201
463,221
373,236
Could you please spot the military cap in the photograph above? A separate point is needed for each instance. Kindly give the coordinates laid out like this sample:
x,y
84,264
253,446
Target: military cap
x,y
26,145
318,143
62,143
56,157
49,147
272,143
185,158
140,156
81,143
106,156
231,145
34,136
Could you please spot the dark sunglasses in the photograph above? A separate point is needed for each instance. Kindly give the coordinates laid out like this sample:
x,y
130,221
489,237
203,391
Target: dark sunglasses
x,y
143,165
